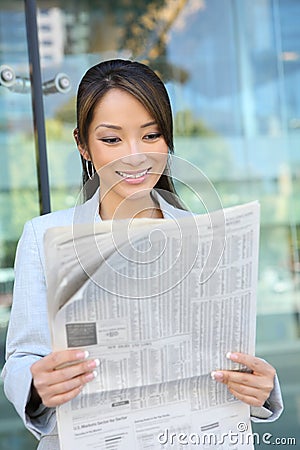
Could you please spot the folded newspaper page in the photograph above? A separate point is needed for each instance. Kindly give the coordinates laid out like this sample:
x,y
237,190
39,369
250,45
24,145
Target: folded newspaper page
x,y
159,303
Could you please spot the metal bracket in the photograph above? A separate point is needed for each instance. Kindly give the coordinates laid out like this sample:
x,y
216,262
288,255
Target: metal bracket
x,y
60,83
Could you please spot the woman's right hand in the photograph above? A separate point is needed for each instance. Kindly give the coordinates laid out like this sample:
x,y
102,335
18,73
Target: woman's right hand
x,y
60,376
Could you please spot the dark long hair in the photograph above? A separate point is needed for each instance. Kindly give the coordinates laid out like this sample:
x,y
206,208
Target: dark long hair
x,y
140,81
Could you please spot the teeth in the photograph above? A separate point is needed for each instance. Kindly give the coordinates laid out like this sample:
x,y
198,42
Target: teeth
x,y
136,175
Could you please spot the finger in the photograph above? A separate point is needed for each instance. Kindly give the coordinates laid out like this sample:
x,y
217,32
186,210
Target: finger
x,y
251,395
44,381
254,393
48,393
58,400
71,384
255,364
252,400
248,390
234,377
57,359
242,378
68,372
245,390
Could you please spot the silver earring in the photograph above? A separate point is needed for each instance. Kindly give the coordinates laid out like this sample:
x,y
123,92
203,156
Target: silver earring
x,y
88,169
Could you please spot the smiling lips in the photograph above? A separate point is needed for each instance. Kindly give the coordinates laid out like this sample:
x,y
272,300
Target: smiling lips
x,y
134,177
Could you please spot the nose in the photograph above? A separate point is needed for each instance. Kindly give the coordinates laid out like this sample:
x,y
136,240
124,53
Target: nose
x,y
135,155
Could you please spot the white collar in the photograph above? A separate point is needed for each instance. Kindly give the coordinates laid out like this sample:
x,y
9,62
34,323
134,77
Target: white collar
x,y
89,211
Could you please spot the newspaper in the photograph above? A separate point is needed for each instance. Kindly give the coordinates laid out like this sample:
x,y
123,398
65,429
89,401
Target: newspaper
x,y
159,303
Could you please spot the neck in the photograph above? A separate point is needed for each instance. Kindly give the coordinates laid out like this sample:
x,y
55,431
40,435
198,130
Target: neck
x,y
139,208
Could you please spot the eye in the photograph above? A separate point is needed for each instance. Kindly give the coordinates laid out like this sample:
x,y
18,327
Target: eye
x,y
152,136
110,140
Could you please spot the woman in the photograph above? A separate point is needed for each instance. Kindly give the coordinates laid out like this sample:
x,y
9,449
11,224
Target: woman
x,y
124,134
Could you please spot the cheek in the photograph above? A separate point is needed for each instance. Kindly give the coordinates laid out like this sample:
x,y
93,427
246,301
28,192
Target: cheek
x,y
101,158
161,157
101,163
106,171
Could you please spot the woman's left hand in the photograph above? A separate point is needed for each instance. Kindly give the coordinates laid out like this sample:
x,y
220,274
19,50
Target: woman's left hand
x,y
252,388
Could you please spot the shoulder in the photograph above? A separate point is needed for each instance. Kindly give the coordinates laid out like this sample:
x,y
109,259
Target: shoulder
x,y
80,213
31,241
35,228
30,249
54,219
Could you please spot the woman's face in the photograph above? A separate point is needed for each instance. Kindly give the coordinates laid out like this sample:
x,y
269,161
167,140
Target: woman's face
x,y
127,149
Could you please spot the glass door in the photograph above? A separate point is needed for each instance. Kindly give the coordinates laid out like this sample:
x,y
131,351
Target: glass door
x,y
18,183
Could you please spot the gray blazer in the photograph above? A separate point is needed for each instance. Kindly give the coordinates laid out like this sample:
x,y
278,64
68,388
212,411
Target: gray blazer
x,y
28,337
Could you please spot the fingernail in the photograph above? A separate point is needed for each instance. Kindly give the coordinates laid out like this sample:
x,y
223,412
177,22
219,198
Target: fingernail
x,y
82,355
93,363
217,376
91,376
231,356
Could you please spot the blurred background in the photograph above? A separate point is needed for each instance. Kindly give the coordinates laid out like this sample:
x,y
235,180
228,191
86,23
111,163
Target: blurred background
x,y
232,69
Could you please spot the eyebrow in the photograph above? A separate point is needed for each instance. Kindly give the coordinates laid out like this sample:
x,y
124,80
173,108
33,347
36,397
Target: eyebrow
x,y
108,125
117,127
148,124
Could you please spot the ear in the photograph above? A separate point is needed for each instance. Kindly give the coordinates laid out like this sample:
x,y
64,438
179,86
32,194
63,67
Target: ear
x,y
82,148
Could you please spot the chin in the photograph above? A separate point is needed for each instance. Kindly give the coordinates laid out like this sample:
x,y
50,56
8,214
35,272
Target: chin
x,y
137,194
